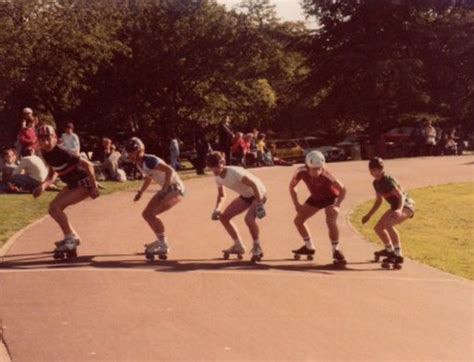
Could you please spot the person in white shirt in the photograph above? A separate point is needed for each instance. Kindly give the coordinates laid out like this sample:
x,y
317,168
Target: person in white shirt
x,y
30,173
171,193
251,197
70,139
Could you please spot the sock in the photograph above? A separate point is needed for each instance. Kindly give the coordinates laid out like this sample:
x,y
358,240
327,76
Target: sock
x,y
70,236
389,248
335,245
238,243
162,239
398,251
256,242
309,243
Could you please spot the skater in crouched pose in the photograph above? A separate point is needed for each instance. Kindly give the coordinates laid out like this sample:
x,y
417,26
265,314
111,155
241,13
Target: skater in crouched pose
x,y
251,198
402,208
326,193
171,193
79,177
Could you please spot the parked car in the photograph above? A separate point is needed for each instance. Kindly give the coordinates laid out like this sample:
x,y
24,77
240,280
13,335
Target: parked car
x,y
349,142
400,142
288,150
331,153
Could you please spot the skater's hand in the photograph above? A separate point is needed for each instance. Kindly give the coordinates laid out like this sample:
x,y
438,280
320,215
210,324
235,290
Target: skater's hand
x,y
365,219
260,211
38,191
138,196
94,193
216,215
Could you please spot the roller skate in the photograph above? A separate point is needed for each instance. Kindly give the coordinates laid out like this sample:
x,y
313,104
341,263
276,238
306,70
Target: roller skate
x,y
67,249
339,259
257,253
384,253
156,248
304,251
234,249
61,242
393,261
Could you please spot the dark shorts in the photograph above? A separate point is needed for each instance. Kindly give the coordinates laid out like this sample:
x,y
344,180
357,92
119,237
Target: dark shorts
x,y
320,204
250,199
84,182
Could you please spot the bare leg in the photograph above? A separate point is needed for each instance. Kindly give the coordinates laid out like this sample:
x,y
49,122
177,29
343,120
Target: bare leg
x,y
157,206
236,207
304,214
331,220
64,199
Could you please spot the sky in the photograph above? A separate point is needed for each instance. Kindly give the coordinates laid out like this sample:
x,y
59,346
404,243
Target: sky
x,y
287,10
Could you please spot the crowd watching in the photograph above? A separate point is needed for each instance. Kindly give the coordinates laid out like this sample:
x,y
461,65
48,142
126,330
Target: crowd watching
x,y
22,169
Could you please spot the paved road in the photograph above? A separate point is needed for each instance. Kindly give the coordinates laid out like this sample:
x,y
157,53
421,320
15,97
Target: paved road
x,y
111,304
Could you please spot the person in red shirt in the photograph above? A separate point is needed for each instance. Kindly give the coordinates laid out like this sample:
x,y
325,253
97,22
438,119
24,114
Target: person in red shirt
x,y
326,193
27,136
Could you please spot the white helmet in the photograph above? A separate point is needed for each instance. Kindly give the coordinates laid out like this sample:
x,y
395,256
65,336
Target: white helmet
x,y
315,159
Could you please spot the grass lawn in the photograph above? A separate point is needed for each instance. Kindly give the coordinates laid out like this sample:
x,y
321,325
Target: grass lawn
x,y
442,232
20,210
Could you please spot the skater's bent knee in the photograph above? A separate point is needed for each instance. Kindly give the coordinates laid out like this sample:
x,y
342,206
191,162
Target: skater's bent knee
x,y
147,214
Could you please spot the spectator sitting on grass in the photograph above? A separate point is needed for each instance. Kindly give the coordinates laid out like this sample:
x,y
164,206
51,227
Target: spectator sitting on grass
x,y
264,156
106,159
8,165
29,174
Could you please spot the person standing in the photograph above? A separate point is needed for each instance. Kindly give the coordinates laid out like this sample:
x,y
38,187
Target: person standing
x,y
202,146
226,136
174,153
70,139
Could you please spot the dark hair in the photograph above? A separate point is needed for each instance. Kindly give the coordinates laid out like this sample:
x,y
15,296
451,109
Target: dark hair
x,y
214,158
376,162
6,151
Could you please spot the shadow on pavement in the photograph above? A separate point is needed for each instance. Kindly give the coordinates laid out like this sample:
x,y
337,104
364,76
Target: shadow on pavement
x,y
44,260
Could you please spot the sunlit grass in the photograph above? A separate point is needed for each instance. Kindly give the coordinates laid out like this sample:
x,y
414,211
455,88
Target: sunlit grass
x,y
442,232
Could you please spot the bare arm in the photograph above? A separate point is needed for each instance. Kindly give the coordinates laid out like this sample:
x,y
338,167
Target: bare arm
x,y
293,193
375,207
342,193
46,183
220,197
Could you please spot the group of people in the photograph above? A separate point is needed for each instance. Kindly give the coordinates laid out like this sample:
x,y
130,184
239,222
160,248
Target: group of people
x,y
22,168
327,193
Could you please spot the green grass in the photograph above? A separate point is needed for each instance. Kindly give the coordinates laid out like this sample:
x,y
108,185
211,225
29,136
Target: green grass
x,y
442,232
20,210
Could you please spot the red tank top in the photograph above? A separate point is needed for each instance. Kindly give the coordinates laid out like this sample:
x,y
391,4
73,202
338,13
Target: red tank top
x,y
321,187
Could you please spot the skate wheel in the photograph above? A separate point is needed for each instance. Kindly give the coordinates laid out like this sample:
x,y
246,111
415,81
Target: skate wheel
x,y
240,256
226,256
397,266
297,257
59,255
163,256
149,256
376,259
386,266
254,259
71,254
309,257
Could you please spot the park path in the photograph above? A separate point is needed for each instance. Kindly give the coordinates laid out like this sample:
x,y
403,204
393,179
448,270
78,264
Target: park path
x,y
112,305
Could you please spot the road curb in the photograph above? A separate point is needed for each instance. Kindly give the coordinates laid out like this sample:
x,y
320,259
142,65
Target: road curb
x,y
6,247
